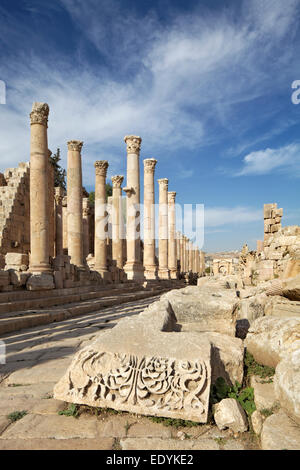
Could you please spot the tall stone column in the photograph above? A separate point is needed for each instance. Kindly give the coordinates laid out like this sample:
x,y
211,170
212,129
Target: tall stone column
x,y
117,221
39,197
178,261
75,222
163,271
187,257
101,219
59,192
86,226
191,256
149,219
182,259
133,267
172,254
51,206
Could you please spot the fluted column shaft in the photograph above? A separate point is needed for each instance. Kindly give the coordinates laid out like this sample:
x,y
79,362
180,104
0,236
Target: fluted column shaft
x,y
58,221
163,272
39,197
172,264
117,221
133,267
149,219
101,222
74,185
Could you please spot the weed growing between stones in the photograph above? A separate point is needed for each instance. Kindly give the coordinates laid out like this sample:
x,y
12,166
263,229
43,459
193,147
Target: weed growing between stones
x,y
16,415
175,422
245,396
72,410
253,368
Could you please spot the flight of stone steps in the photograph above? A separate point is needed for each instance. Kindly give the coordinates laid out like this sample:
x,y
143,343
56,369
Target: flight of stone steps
x,y
26,309
13,211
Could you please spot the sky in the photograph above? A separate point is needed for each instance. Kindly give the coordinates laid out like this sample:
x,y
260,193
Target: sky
x,y
207,84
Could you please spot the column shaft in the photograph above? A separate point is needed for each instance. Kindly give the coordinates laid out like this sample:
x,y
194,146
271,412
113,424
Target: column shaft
x,y
172,258
163,271
149,219
117,221
101,223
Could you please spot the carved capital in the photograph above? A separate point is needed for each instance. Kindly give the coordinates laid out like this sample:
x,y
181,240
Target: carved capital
x,y
163,183
101,167
149,164
133,143
39,114
171,196
75,145
117,181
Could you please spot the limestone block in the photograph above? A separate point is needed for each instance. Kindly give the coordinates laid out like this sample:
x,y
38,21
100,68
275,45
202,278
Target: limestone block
x,y
139,367
58,280
287,385
270,339
4,278
275,255
257,422
208,309
264,396
275,288
228,413
275,228
291,288
227,358
279,432
16,259
40,282
18,278
278,306
252,307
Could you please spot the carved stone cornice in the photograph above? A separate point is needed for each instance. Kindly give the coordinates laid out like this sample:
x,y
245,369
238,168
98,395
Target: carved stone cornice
x,y
39,114
101,167
149,165
133,143
117,181
163,183
171,196
75,145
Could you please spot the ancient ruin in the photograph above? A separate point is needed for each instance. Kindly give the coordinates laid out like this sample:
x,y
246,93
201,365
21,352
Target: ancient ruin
x,y
191,332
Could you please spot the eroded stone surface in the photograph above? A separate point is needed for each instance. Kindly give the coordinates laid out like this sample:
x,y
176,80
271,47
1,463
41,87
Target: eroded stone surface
x,y
280,433
228,413
287,385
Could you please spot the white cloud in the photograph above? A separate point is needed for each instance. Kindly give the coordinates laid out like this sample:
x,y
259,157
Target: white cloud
x,y
261,162
167,84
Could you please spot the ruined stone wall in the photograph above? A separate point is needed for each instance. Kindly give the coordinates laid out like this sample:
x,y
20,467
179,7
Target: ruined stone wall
x,y
14,210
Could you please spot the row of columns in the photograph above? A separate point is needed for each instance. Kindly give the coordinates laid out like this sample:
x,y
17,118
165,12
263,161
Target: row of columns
x,y
176,254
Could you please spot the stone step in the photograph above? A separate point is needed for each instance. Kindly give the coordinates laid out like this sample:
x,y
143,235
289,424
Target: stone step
x,y
63,298
28,319
16,295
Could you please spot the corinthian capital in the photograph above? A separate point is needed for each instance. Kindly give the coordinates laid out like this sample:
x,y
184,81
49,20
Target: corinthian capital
x,y
117,181
39,114
101,167
75,145
133,143
163,183
149,164
171,196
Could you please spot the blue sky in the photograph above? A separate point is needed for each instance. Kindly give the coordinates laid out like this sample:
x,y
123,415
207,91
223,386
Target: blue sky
x,y
206,84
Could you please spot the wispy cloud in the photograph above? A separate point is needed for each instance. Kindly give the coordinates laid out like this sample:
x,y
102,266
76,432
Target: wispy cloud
x,y
284,159
176,85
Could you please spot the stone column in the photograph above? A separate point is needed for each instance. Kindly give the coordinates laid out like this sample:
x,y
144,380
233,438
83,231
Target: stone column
x,y
178,261
86,226
59,192
163,271
133,267
117,221
195,262
172,255
101,219
182,258
149,219
51,206
75,222
39,198
191,256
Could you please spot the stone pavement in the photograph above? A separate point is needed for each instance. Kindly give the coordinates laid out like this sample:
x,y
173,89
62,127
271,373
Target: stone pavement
x,y
38,357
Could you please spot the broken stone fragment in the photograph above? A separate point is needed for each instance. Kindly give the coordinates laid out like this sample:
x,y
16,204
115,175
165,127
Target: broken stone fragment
x,y
228,413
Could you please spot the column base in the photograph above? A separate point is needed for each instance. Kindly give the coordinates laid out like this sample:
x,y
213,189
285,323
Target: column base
x,y
173,274
134,272
40,269
151,273
164,274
